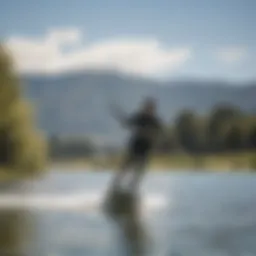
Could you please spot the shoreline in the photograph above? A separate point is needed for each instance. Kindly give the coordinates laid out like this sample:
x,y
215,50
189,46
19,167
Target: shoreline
x,y
215,162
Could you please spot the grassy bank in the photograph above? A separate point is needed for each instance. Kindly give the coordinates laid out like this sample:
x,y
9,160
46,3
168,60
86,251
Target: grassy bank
x,y
218,162
8,174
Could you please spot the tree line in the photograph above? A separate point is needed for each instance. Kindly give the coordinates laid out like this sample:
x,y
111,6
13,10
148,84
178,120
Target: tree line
x,y
225,129
61,148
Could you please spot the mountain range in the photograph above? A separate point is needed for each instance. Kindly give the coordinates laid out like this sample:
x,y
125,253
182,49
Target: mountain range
x,y
77,103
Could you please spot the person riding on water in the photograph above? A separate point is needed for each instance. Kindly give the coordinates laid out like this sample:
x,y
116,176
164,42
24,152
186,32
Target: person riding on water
x,y
145,127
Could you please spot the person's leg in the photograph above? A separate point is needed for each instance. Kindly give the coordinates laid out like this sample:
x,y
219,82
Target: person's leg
x,y
139,171
142,157
126,164
113,192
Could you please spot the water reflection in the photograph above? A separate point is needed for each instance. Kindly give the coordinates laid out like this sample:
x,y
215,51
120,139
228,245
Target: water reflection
x,y
15,233
123,208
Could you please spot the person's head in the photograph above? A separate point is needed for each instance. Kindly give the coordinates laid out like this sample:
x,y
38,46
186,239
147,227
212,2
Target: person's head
x,y
149,106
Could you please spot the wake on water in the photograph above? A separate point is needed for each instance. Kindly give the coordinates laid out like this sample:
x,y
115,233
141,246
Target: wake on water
x,y
79,201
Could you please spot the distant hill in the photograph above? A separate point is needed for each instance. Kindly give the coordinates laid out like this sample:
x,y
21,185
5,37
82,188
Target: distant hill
x,y
78,103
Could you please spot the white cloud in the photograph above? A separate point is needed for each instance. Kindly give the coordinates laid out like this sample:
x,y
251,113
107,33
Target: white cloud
x,y
145,57
231,55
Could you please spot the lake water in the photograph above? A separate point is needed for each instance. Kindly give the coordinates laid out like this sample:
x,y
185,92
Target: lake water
x,y
183,214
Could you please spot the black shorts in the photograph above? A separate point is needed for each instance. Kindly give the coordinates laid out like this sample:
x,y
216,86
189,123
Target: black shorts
x,y
139,147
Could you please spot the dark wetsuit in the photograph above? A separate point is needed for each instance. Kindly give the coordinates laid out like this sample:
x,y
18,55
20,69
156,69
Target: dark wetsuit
x,y
145,129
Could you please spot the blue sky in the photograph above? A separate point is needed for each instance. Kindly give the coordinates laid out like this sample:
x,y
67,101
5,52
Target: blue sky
x,y
219,35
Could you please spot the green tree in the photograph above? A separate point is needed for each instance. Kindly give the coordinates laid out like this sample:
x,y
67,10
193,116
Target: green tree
x,y
189,131
220,117
169,142
234,139
186,131
252,137
22,147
